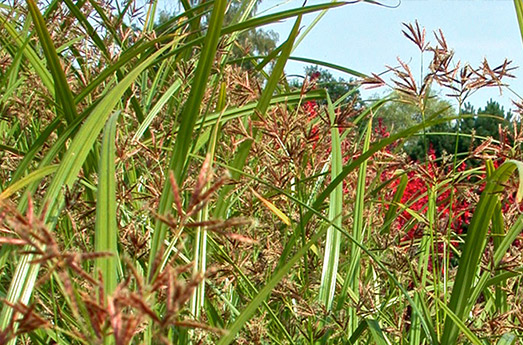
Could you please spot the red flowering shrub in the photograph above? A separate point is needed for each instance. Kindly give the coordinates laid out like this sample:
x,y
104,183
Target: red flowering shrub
x,y
311,108
456,191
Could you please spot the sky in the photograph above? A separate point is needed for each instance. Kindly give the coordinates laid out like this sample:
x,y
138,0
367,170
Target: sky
x,y
367,37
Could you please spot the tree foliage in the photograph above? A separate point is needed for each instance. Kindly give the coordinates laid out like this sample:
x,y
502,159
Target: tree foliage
x,y
335,87
485,122
316,77
253,42
401,114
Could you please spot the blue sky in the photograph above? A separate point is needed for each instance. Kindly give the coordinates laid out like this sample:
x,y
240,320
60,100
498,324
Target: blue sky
x,y
367,37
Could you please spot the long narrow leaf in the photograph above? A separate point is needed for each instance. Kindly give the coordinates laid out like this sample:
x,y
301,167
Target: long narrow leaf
x,y
353,277
62,90
188,116
333,242
518,4
36,175
106,229
474,245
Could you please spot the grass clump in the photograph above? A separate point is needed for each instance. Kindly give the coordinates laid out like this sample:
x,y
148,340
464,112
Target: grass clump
x,y
158,189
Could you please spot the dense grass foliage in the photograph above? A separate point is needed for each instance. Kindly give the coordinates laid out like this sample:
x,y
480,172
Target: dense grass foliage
x,y
158,187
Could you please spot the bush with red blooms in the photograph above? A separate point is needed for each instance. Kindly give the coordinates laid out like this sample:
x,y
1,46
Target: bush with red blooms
x,y
454,200
311,108
452,209
448,202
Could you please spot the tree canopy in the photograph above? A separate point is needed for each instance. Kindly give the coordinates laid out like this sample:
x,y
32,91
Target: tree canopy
x,y
485,122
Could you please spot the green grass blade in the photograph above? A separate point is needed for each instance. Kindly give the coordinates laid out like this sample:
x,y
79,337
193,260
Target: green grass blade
x,y
353,276
62,91
498,231
333,241
500,252
507,339
52,153
192,13
156,109
11,149
34,149
275,17
34,176
151,14
113,37
200,249
474,245
249,109
426,247
329,65
91,32
188,117
106,228
34,60
507,241
393,208
139,49
518,4
377,333
311,26
358,332
268,92
458,323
